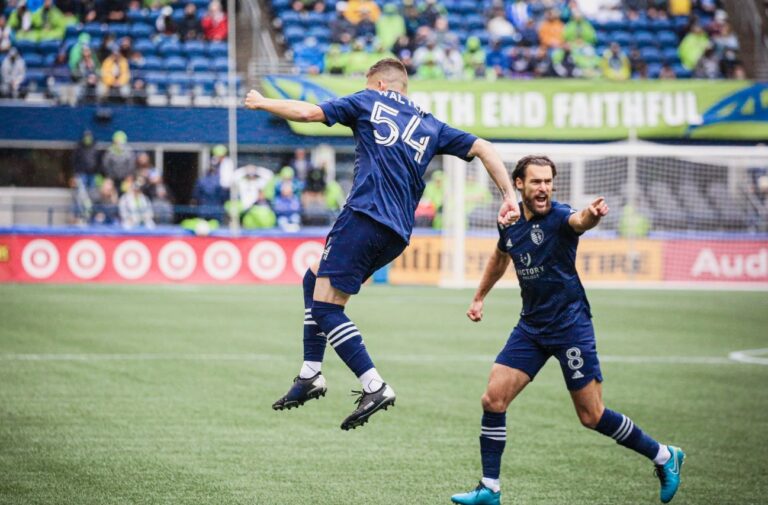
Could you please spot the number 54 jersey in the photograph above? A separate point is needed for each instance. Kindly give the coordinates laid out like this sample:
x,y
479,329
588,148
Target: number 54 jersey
x,y
394,142
543,250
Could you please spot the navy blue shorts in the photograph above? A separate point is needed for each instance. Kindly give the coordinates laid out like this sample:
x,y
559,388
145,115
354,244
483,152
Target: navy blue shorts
x,y
355,248
576,352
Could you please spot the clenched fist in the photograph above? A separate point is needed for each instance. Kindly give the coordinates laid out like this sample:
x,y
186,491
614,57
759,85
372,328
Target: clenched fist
x,y
253,99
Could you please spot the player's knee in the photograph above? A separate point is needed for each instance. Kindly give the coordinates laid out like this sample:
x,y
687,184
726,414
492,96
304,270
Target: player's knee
x,y
590,417
492,403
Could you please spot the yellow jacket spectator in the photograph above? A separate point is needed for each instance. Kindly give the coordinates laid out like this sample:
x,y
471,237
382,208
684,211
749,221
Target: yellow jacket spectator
x,y
615,64
114,71
354,10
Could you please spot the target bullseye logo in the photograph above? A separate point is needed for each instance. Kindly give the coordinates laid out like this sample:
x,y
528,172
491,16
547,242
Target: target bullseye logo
x,y
266,260
305,256
222,260
40,258
177,260
131,260
86,259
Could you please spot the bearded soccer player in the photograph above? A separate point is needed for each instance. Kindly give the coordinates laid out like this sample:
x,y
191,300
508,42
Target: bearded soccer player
x,y
394,142
555,321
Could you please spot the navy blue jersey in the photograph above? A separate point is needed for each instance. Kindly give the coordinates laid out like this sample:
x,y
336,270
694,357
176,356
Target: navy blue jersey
x,y
543,251
394,142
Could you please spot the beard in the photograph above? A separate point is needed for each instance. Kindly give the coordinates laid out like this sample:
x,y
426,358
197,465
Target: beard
x,y
535,207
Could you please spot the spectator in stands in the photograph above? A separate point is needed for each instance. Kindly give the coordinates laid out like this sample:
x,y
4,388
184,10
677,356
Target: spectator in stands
x,y
147,176
114,10
579,28
105,204
5,35
520,62
667,72
335,61
118,161
680,7
300,163
76,55
708,66
529,36
430,69
474,58
497,60
406,58
85,161
12,74
21,23
135,208
728,64
430,11
286,175
357,59
354,9
390,26
342,30
87,11
86,72
725,40
115,75
403,43
541,62
189,26
50,22
429,51
251,181
692,47
453,63
209,196
214,23
587,61
615,64
365,28
411,18
551,30
105,48
162,207
165,25
498,25
287,207
563,62
223,165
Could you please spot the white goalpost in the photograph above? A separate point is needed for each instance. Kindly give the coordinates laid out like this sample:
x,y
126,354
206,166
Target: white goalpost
x,y
680,215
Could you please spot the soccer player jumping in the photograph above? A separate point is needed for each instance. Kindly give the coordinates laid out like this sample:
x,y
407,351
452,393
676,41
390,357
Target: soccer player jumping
x,y
555,321
394,142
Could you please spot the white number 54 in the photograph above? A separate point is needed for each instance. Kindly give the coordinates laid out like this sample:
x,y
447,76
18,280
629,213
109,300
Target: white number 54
x,y
378,116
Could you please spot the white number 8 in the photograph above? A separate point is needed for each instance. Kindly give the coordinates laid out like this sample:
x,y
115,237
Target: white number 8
x,y
575,361
378,117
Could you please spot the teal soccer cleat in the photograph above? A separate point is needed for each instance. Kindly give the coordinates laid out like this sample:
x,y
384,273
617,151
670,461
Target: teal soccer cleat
x,y
669,474
481,495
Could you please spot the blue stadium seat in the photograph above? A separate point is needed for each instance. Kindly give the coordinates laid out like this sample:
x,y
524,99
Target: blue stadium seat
x,y
644,39
614,26
26,47
603,38
72,31
641,23
152,63
180,79
280,5
178,14
507,41
290,17
194,48
679,23
157,79
141,30
220,64
654,69
140,16
669,55
474,22
119,29
36,76
206,80
624,39
321,33
48,46
661,25
681,72
667,38
33,60
293,34
315,19
455,20
650,54
170,47
217,49
175,64
466,7
49,59
94,29
200,63
145,47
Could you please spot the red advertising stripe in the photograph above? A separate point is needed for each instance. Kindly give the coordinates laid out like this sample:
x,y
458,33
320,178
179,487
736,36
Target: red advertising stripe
x,y
49,258
716,260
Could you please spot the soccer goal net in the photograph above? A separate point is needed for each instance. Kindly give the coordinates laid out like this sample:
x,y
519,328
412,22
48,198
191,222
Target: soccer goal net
x,y
677,213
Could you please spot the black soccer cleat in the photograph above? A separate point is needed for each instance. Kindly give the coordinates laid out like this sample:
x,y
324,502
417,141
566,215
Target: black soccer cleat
x,y
367,405
302,391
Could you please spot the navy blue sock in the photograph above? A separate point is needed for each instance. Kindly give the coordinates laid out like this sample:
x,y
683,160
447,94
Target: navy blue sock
x,y
314,338
493,438
621,428
343,335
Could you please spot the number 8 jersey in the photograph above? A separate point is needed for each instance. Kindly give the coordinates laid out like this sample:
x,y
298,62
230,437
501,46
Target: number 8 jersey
x,y
395,141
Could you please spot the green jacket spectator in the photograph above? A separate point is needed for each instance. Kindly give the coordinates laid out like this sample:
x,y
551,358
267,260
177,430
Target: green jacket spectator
x,y
21,23
580,28
429,69
474,58
587,62
615,64
692,47
335,61
76,53
358,61
390,26
50,22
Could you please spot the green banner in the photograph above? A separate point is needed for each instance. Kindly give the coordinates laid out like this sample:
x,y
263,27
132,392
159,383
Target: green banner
x,y
558,109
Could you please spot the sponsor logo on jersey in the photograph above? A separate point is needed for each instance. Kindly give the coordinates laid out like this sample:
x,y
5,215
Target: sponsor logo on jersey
x,y
525,259
537,235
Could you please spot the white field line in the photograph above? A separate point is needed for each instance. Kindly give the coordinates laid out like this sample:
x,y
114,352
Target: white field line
x,y
733,358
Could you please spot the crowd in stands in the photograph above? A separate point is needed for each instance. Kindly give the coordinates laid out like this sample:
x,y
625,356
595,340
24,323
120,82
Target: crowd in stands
x,y
122,187
112,49
490,39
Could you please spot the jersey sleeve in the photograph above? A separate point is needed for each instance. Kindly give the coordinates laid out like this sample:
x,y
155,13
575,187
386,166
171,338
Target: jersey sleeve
x,y
500,244
455,142
563,212
344,110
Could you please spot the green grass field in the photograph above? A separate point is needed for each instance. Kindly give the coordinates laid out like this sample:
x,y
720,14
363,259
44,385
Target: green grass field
x,y
161,395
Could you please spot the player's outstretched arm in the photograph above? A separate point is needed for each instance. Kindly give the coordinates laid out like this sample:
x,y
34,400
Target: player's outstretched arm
x,y
590,216
509,212
494,271
292,110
